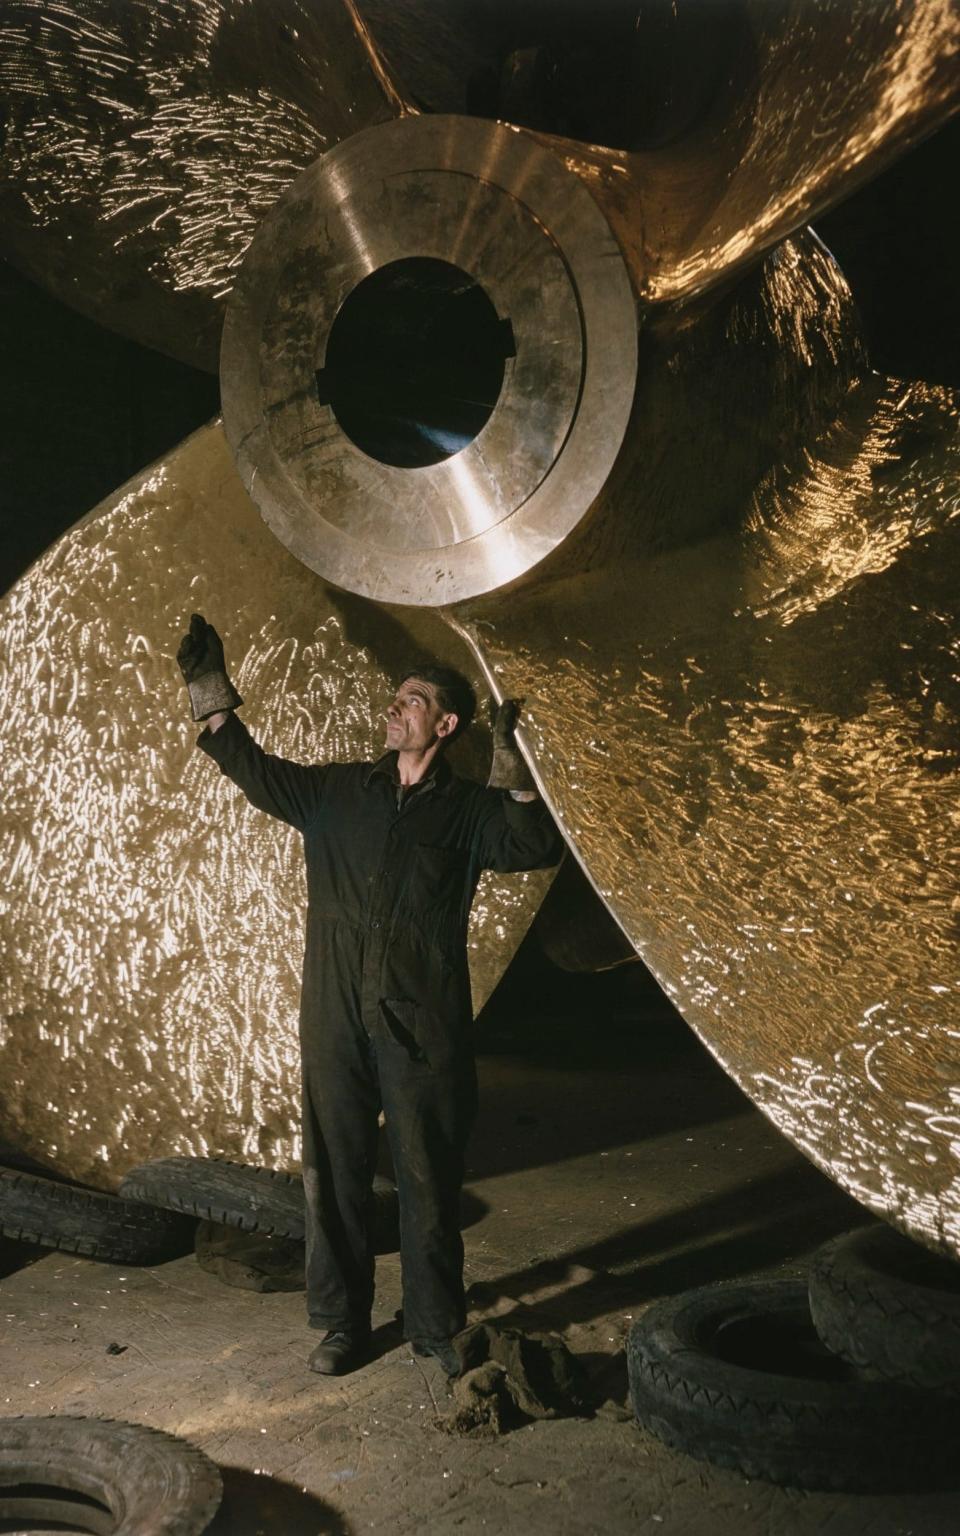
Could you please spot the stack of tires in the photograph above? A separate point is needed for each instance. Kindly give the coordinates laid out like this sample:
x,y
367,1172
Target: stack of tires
x,y
87,1474
849,1380
52,1213
156,1214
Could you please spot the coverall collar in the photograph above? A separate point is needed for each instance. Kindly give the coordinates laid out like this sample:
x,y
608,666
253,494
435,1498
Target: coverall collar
x,y
439,776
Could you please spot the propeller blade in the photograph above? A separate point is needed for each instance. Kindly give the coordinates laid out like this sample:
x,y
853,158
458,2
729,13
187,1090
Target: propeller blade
x,y
145,907
711,131
142,141
748,726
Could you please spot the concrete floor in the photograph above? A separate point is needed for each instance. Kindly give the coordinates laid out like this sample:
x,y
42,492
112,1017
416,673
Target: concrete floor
x,y
614,1163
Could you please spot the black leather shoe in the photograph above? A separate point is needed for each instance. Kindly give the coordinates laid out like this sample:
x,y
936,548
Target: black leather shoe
x,y
442,1350
340,1351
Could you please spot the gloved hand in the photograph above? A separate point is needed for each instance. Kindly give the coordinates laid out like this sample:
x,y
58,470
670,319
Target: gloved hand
x,y
508,769
200,658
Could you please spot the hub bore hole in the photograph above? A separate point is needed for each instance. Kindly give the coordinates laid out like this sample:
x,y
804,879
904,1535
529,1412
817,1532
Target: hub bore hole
x,y
415,362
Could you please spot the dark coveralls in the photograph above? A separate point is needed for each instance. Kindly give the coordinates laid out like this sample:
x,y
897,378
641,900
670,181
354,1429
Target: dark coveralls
x,y
385,1009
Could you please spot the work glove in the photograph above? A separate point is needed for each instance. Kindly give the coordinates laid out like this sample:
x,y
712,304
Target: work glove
x,y
200,658
508,769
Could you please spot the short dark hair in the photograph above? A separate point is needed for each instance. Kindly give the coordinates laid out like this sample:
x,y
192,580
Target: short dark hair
x,y
454,693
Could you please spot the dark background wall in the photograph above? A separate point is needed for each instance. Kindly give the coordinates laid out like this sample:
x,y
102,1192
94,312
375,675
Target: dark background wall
x,y
82,411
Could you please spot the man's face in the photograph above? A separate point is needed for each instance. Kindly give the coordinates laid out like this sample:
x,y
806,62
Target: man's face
x,y
415,720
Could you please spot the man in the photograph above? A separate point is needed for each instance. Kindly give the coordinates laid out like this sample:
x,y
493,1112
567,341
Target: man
x,y
394,849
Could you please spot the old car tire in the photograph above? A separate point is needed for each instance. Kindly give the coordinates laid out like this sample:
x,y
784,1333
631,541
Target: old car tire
x,y
104,1476
234,1194
88,1221
889,1306
735,1373
246,1196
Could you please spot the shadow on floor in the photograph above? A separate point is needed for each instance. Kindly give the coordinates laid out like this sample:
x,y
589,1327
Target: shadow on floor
x,y
259,1505
765,1223
472,1209
592,1090
14,1255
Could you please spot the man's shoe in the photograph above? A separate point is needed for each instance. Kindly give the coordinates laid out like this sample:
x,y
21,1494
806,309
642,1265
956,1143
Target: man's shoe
x,y
340,1351
442,1350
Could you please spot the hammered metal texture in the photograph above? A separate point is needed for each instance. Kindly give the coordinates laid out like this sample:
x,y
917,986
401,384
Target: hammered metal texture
x,y
750,733
142,141
807,99
151,921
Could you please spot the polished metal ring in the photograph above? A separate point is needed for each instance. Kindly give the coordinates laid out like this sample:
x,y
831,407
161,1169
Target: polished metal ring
x,y
489,203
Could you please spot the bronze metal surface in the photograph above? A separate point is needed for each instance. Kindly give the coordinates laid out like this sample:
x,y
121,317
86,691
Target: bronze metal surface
x,y
749,734
142,140
709,133
151,921
731,610
755,772
443,55
528,493
494,203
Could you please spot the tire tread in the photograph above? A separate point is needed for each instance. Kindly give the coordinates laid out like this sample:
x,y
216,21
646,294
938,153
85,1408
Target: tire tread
x,y
190,1510
891,1327
92,1223
802,1430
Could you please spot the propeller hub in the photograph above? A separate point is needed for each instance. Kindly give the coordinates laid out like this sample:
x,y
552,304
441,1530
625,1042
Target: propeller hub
x,y
429,359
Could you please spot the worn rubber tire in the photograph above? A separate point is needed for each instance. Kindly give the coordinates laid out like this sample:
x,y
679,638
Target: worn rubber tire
x,y
89,1221
246,1196
151,1483
821,1426
889,1306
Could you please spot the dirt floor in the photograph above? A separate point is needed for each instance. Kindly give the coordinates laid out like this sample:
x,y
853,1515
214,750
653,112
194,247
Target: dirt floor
x,y
613,1164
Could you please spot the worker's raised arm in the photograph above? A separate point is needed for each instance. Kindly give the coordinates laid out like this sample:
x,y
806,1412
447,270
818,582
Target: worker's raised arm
x,y
200,659
515,830
508,770
289,791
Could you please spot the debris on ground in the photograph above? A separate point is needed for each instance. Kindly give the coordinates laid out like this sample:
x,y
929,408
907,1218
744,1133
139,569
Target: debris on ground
x,y
252,1261
509,1378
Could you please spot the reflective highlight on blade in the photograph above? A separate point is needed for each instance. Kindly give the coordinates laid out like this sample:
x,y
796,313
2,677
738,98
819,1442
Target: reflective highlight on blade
x,y
711,132
752,741
151,921
144,140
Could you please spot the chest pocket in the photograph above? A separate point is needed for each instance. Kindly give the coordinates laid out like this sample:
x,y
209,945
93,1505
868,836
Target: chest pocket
x,y
437,876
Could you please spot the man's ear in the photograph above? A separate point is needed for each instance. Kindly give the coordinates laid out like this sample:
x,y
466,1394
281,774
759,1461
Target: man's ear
x,y
447,724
